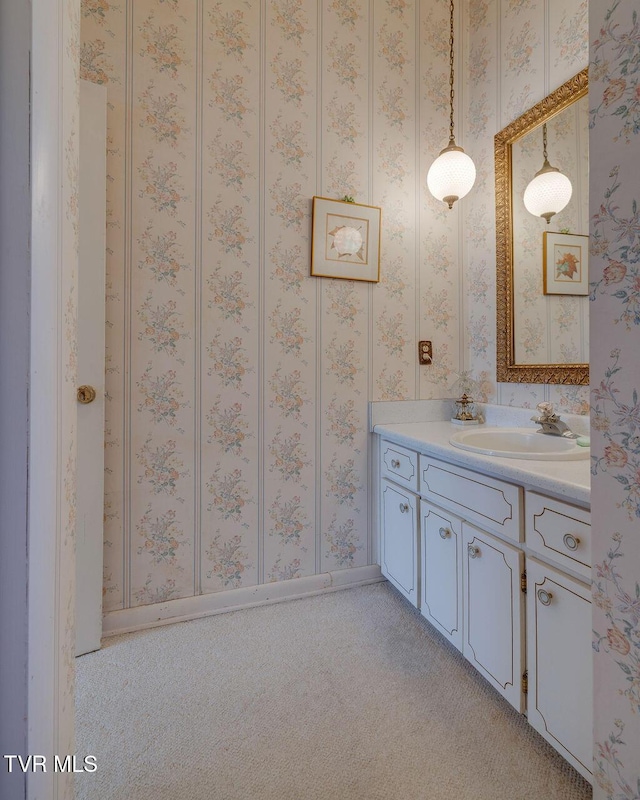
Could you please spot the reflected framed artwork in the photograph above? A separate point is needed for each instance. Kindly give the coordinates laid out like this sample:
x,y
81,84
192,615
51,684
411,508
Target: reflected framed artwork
x,y
565,263
345,240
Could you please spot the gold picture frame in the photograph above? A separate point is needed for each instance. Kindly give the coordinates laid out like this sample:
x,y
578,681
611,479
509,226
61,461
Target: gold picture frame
x,y
565,263
345,240
507,369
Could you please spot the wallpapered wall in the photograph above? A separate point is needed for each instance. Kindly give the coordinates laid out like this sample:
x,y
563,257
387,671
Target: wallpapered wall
x,y
67,419
518,51
615,420
237,385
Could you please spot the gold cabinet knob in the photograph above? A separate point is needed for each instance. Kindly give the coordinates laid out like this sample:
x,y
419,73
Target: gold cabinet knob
x,y
86,394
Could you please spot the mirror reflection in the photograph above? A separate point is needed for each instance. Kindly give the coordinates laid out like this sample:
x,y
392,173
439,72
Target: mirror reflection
x,y
551,322
542,253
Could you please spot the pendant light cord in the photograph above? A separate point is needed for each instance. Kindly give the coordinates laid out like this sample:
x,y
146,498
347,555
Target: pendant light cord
x,y
451,92
452,174
544,142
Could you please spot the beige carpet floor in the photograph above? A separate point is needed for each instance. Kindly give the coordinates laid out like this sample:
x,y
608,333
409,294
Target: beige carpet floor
x,y
343,696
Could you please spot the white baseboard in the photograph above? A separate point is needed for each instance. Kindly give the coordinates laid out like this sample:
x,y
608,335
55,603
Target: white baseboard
x,y
135,619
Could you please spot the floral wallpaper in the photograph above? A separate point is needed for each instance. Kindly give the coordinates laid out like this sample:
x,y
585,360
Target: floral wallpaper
x,y
56,129
237,385
68,352
614,100
517,52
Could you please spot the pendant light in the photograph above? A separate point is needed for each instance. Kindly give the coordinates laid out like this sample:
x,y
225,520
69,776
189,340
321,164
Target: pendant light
x,y
453,173
550,190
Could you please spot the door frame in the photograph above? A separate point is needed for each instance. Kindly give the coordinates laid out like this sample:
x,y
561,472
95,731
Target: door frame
x,y
55,37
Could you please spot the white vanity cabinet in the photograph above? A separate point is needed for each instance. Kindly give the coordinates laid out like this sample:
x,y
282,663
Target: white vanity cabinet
x,y
475,600
399,542
399,465
502,573
560,532
493,611
490,503
559,661
559,626
471,592
441,568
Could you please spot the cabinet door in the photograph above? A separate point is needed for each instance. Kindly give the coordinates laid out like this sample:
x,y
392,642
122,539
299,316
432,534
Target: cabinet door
x,y
559,661
399,545
442,571
493,611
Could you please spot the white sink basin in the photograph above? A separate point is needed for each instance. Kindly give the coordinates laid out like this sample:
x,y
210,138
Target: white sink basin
x,y
519,443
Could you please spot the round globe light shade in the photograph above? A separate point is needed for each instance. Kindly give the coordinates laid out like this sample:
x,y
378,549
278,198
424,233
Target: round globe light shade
x,y
547,194
347,240
451,176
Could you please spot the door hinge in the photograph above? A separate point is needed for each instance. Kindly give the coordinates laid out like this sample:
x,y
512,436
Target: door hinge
x,y
525,682
523,582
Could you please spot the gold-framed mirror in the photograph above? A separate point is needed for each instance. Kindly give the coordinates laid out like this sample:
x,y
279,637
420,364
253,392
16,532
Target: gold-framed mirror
x,y
542,336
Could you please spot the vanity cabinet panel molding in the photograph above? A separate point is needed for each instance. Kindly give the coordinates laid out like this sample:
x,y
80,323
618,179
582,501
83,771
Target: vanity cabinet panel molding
x,y
493,504
399,465
441,575
457,552
560,662
399,540
493,611
560,532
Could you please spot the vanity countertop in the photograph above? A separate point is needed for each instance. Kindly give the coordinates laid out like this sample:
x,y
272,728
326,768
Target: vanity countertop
x,y
567,479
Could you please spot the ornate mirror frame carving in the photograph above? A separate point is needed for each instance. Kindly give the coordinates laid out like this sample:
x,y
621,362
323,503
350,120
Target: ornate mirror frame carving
x,y
507,370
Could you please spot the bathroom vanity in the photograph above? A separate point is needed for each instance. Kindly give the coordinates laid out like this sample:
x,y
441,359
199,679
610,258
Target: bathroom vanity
x,y
495,553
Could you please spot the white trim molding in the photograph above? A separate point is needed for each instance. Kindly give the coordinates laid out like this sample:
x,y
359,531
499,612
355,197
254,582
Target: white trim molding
x,y
52,424
205,605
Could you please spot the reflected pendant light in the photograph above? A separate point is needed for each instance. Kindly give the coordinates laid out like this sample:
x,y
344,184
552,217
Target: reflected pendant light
x,y
550,190
453,173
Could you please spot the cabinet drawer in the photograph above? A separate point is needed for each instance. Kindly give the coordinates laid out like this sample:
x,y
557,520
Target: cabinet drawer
x,y
559,531
488,502
399,465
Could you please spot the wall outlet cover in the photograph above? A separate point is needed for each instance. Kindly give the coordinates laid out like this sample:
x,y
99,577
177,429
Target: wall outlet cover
x,y
425,352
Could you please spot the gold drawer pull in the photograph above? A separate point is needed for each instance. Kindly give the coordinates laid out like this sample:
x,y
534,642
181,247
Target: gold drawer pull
x,y
544,597
404,507
395,463
571,542
444,533
473,551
